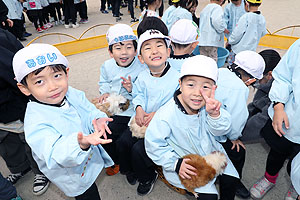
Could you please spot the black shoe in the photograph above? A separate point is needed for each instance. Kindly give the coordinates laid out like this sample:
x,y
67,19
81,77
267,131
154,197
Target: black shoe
x,y
26,34
146,188
121,14
115,15
118,19
22,39
242,191
134,20
13,178
131,178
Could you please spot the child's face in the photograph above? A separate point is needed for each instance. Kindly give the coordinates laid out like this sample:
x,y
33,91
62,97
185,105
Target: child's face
x,y
123,53
154,53
48,86
191,97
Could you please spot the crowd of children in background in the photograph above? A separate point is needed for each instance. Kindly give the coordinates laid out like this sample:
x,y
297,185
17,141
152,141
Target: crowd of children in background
x,y
185,103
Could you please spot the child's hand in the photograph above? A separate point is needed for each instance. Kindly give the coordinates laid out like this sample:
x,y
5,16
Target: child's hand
x,y
186,170
101,125
140,115
212,105
94,138
148,118
279,118
226,31
103,97
127,83
237,144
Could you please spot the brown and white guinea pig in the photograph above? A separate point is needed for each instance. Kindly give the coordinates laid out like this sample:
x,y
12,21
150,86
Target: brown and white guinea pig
x,y
208,167
113,105
136,130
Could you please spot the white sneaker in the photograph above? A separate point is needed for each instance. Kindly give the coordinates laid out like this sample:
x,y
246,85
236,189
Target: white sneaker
x,y
49,25
291,194
68,25
51,19
260,188
61,22
75,25
40,184
56,23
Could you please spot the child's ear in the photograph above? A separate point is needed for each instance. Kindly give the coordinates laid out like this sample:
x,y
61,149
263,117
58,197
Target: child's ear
x,y
140,57
23,89
169,52
67,71
110,53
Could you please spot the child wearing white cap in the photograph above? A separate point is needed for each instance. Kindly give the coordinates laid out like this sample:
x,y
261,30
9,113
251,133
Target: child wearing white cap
x,y
117,76
248,31
212,27
281,131
152,89
233,93
188,124
61,126
183,42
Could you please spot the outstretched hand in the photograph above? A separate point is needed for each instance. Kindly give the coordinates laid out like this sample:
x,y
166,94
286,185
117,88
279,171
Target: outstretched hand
x,y
94,138
127,83
212,105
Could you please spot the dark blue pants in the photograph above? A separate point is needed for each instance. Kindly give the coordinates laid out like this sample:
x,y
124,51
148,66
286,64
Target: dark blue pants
x,y
7,190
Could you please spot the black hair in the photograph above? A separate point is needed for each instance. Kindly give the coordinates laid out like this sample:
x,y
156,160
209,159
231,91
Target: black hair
x,y
252,4
110,47
239,71
149,23
188,4
271,58
179,46
55,68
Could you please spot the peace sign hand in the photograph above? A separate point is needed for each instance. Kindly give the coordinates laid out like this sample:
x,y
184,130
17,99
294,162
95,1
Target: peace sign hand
x,y
212,105
127,83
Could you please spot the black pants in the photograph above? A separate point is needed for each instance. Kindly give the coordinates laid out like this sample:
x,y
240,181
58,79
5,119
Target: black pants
x,y
103,7
91,194
16,153
130,8
36,16
69,11
227,187
55,8
161,9
116,7
46,12
237,158
117,127
82,9
281,149
133,157
17,29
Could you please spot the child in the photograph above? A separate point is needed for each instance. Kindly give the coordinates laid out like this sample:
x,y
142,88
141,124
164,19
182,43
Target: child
x,y
61,126
233,93
46,12
212,27
258,109
295,176
116,76
70,14
281,131
248,31
172,7
131,10
187,124
185,10
232,13
183,42
35,12
55,11
81,8
152,89
151,9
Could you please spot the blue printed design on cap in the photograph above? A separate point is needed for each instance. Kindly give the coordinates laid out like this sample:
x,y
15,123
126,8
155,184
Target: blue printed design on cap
x,y
30,63
52,57
125,38
41,60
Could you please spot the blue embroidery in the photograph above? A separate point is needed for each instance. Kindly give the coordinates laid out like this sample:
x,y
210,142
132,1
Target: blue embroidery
x,y
30,63
125,38
41,60
51,58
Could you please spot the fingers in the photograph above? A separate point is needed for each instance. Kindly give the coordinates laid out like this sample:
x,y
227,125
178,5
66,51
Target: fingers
x,y
286,122
107,129
96,128
213,90
124,79
276,129
79,136
129,79
105,141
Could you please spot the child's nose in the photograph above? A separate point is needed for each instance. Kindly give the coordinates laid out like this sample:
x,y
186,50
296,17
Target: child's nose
x,y
52,85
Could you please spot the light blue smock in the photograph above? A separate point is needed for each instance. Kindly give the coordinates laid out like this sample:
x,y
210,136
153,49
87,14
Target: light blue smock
x,y
167,13
232,14
177,14
32,5
233,94
51,132
295,173
53,1
212,26
110,81
44,3
176,63
286,89
247,33
152,92
15,9
172,134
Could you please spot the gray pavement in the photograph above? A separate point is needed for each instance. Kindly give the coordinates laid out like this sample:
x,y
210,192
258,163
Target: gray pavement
x,y
84,75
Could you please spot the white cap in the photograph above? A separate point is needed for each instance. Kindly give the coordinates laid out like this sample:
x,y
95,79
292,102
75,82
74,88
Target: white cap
x,y
251,62
36,56
184,31
151,34
200,66
119,33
